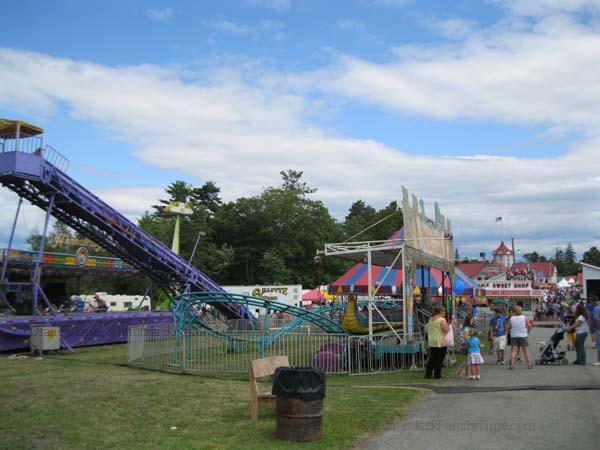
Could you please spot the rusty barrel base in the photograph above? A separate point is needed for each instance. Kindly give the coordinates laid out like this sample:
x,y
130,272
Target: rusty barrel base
x,y
298,420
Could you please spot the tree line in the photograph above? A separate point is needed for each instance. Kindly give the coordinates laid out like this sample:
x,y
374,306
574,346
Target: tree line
x,y
268,238
271,237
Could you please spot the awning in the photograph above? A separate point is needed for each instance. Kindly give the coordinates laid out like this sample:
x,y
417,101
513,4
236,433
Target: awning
x,y
8,129
315,295
464,285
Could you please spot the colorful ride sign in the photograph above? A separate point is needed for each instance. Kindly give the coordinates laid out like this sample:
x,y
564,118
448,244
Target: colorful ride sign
x,y
427,242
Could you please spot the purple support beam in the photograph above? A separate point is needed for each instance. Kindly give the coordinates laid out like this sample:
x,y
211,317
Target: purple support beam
x,y
35,179
10,241
38,263
3,280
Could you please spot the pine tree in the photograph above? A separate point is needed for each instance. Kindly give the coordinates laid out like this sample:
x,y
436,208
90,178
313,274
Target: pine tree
x,y
570,255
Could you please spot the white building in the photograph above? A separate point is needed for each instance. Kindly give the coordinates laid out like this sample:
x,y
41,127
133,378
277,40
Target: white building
x,y
504,255
117,302
287,294
591,281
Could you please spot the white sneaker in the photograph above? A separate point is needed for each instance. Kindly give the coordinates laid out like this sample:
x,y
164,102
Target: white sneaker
x,y
477,377
596,364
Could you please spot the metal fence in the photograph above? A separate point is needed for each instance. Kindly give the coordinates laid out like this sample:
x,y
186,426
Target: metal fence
x,y
385,353
34,144
269,323
26,144
202,351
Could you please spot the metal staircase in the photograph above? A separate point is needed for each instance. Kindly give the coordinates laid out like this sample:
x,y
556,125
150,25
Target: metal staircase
x,y
33,177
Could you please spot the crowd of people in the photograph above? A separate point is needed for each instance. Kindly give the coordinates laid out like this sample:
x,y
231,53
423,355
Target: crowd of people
x,y
580,317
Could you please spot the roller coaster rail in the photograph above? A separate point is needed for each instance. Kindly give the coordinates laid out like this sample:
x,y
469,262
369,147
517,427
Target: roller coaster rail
x,y
186,307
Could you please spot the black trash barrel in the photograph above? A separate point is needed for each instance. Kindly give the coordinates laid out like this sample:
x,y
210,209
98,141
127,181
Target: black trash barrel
x,y
300,392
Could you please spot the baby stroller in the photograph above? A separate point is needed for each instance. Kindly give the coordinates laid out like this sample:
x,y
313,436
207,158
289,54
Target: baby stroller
x,y
549,353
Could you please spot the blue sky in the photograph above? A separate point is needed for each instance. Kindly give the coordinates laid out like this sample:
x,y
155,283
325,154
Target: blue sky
x,y
462,102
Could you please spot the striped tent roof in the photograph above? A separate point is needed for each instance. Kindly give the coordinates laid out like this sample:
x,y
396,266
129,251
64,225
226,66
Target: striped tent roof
x,y
355,280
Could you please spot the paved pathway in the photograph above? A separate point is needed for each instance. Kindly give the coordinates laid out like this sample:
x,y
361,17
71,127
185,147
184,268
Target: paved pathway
x,y
512,420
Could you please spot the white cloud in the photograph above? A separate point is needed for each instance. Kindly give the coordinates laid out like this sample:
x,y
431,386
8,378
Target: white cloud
x,y
349,24
264,26
241,130
543,75
132,202
31,219
548,7
160,15
277,5
129,201
454,28
231,27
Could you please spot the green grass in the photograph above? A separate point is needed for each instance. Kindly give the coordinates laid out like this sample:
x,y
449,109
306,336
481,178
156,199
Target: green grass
x,y
92,400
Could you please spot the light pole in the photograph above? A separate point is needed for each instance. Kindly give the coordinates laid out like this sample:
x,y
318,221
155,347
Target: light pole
x,y
177,209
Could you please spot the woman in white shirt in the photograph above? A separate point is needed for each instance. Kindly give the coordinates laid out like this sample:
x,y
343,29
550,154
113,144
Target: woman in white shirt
x,y
518,326
581,331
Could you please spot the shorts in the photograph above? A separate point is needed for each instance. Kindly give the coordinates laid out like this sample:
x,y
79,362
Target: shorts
x,y
474,358
463,350
519,342
499,343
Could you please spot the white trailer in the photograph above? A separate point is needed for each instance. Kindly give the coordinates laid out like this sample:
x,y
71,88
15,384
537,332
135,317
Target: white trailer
x,y
290,294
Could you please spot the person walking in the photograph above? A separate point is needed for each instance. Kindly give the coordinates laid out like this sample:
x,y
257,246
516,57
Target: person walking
x,y
591,323
581,331
497,333
518,327
437,328
596,322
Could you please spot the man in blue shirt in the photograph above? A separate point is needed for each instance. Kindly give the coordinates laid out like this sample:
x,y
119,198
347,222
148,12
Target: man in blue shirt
x,y
590,311
596,325
497,332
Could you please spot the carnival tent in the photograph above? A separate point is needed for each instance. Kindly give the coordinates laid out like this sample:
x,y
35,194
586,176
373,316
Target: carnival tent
x,y
315,296
355,280
464,285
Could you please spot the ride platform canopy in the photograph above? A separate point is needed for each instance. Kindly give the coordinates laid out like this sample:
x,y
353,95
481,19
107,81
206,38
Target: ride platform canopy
x,y
9,129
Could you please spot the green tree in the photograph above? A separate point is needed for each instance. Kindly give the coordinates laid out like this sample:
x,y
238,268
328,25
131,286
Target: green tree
x,y
273,269
179,191
592,256
566,261
60,239
212,259
282,226
365,223
359,217
532,257
206,196
570,255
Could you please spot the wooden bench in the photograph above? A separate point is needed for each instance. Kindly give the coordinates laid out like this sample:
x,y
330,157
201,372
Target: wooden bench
x,y
259,368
